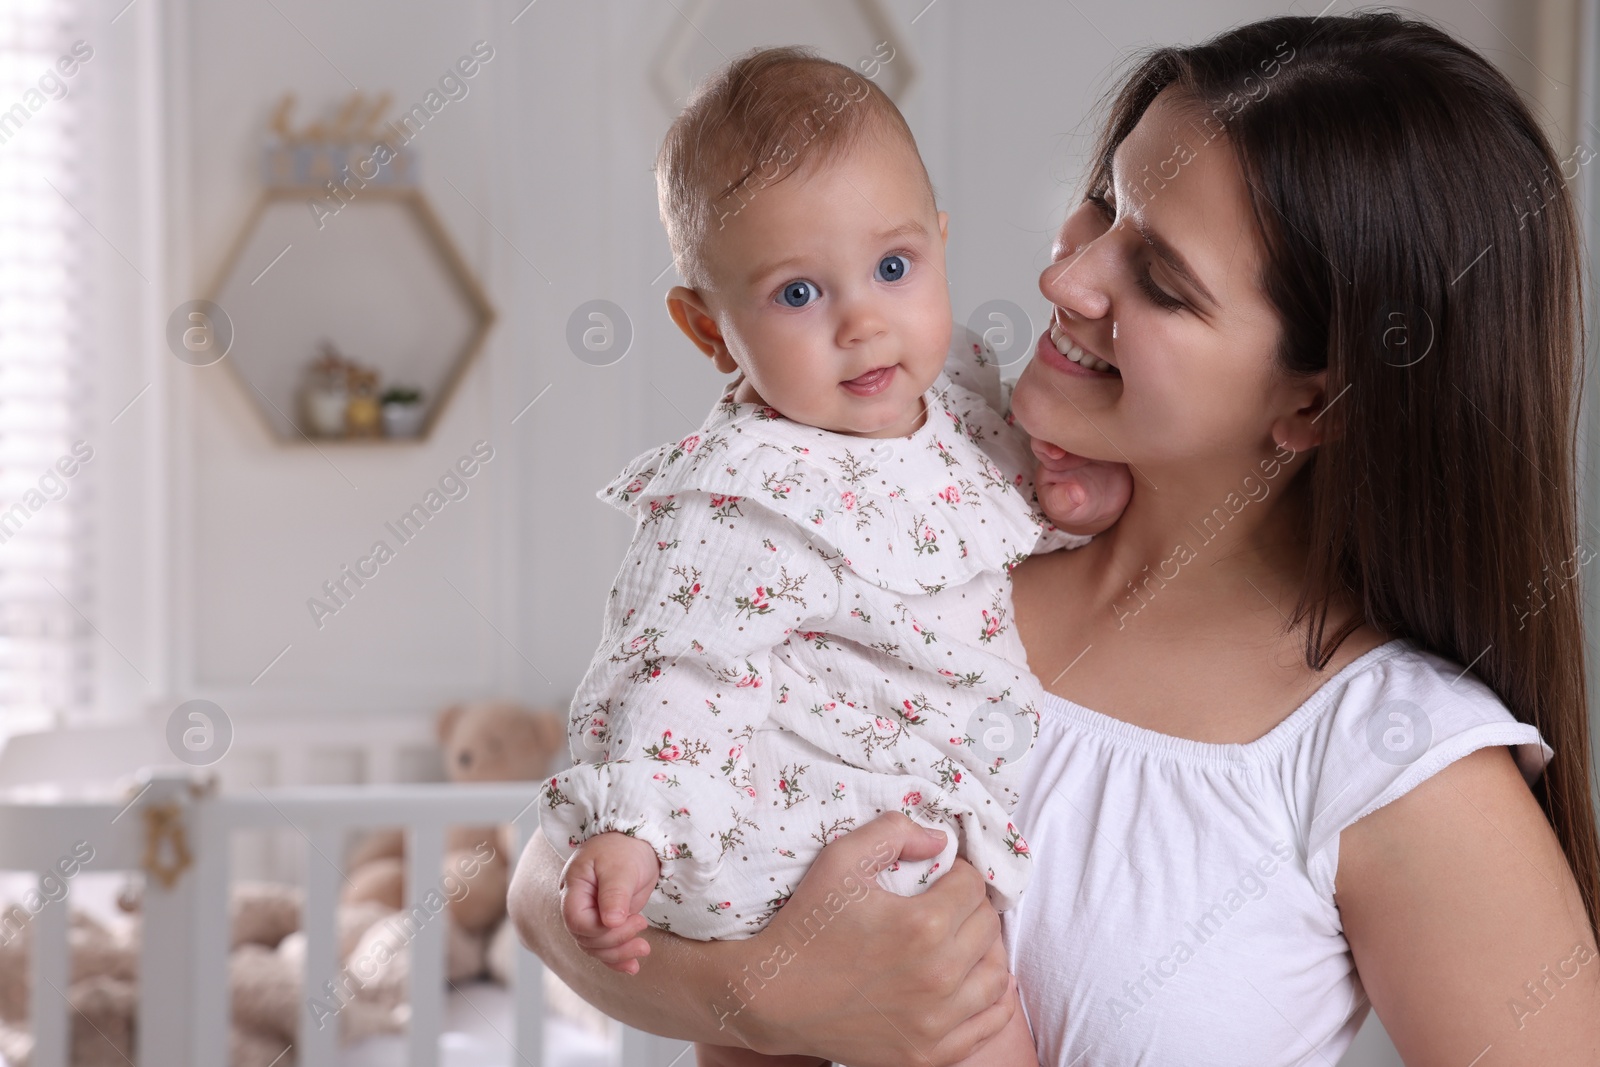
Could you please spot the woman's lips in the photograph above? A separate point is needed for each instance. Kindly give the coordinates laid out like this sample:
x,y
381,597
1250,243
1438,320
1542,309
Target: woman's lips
x,y
1045,352
874,381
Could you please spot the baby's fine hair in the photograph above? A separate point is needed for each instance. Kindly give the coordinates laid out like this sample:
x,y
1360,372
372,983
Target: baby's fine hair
x,y
766,115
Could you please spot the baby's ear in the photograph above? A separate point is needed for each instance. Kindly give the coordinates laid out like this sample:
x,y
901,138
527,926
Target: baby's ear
x,y
694,318
944,226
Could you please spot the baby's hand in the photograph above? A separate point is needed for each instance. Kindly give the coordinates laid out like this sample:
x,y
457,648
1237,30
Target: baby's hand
x,y
604,887
1081,496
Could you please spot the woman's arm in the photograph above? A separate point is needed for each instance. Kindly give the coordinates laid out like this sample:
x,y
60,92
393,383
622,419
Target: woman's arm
x,y
937,986
1466,924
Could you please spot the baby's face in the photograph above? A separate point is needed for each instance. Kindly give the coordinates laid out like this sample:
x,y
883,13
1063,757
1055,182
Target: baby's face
x,y
830,292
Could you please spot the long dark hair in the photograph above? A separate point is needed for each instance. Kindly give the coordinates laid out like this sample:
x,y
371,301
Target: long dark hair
x,y
1422,249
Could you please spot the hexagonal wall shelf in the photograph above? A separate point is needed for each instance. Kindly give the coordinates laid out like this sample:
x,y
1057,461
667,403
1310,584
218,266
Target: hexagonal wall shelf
x,y
380,281
703,34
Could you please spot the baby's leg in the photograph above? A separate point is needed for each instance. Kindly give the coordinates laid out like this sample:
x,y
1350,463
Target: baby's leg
x,y
722,1056
1011,1047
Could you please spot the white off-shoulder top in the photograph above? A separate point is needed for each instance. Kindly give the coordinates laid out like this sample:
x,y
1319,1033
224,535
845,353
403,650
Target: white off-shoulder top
x,y
1181,910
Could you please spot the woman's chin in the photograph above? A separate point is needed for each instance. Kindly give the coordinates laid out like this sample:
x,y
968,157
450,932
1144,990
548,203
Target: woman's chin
x,y
1046,415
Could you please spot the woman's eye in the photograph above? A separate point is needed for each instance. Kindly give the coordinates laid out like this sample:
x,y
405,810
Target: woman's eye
x,y
1159,295
1103,205
798,294
892,268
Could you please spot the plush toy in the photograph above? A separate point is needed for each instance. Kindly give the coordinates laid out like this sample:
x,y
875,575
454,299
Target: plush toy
x,y
488,741
265,965
101,990
368,996
265,969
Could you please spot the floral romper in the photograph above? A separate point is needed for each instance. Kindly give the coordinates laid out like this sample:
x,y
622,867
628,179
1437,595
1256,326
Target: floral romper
x,y
808,630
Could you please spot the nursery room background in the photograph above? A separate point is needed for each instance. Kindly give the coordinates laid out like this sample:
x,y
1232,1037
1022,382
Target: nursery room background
x,y
299,443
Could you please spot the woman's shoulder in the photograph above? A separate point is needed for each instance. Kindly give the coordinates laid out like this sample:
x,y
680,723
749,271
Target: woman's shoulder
x,y
1390,719
1399,702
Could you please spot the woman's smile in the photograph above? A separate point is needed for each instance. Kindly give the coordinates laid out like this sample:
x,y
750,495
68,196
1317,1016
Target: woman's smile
x,y
1075,362
1076,352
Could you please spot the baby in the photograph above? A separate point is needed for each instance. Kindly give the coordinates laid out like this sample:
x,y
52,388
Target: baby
x,y
813,623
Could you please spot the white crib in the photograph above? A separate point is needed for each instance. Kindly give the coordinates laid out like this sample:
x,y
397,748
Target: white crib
x,y
183,1008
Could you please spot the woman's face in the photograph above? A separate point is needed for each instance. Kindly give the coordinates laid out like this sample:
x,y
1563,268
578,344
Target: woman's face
x,y
1157,291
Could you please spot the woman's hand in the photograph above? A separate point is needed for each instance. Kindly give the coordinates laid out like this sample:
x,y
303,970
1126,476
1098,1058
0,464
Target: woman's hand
x,y
845,970
862,976
1081,496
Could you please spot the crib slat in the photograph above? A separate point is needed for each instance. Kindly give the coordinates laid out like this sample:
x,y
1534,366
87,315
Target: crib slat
x,y
50,980
213,935
167,953
319,1019
424,853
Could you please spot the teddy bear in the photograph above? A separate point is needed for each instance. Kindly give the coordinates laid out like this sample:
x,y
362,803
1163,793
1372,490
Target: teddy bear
x,y
102,989
265,968
103,992
266,964
484,741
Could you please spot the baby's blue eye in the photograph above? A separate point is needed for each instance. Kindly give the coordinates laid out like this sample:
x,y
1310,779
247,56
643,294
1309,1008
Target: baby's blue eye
x,y
798,294
892,268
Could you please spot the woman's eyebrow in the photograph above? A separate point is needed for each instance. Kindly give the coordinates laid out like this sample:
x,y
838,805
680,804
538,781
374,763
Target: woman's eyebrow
x,y
1172,259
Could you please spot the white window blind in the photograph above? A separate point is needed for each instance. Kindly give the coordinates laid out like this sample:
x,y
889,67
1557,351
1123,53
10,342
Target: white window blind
x,y
44,597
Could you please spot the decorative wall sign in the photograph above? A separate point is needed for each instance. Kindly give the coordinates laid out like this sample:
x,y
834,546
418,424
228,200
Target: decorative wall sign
x,y
858,33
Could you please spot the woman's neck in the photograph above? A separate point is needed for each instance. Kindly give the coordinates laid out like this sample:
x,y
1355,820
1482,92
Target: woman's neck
x,y
1177,619
1208,535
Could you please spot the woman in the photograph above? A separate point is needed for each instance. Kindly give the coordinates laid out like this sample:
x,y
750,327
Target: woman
x,y
1335,275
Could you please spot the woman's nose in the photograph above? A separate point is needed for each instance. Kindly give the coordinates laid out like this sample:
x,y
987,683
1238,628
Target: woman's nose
x,y
1076,282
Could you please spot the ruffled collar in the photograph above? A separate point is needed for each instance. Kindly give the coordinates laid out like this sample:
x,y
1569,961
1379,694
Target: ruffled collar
x,y
913,513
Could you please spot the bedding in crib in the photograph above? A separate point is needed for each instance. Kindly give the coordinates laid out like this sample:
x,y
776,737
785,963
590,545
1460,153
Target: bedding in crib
x,y
476,1014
